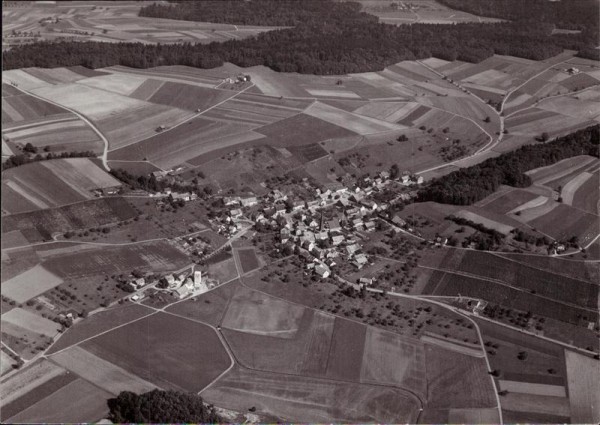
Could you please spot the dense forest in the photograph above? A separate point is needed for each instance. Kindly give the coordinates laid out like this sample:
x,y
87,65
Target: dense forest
x,y
161,407
336,39
469,185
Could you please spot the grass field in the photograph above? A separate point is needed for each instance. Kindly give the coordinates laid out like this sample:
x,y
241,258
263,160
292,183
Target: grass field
x,y
188,97
297,399
586,197
98,323
54,75
507,201
566,167
149,256
99,372
564,222
256,313
23,79
583,375
35,375
347,349
117,83
224,270
21,108
86,403
169,359
30,284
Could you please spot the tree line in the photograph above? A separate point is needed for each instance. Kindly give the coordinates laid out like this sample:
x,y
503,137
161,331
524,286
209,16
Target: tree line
x,y
22,159
471,184
323,45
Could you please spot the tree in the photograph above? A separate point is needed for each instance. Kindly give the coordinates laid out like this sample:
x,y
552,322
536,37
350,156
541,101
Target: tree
x,y
394,172
29,148
487,119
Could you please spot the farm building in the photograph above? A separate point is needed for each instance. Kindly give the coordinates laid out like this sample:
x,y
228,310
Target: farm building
x,y
181,292
366,281
322,270
248,202
351,249
360,260
108,191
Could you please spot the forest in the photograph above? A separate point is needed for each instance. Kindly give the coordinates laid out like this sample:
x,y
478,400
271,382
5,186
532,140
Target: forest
x,y
161,407
471,184
349,43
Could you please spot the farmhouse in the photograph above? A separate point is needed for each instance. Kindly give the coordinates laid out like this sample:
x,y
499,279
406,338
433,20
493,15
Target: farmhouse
x,y
181,292
351,249
398,221
231,200
365,281
360,260
322,271
248,202
107,191
235,213
336,240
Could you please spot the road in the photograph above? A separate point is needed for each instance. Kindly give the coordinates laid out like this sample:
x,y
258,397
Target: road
x,y
104,155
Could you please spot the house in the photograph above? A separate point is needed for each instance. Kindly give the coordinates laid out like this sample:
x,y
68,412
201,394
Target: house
x,y
310,266
136,297
384,175
343,202
236,213
357,197
336,240
314,203
279,210
132,285
318,252
231,200
370,225
330,263
313,223
351,249
366,281
405,179
334,225
357,223
276,195
321,236
197,277
360,260
308,245
352,212
140,283
335,187
309,236
170,281
322,271
298,205
398,221
369,204
248,202
181,292
107,191
418,179
573,71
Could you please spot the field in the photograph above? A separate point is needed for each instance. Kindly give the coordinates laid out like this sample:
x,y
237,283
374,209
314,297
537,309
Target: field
x,y
169,359
30,322
79,21
248,259
98,323
99,372
582,375
564,222
297,399
224,270
490,224
256,313
35,375
20,109
30,284
53,183
86,402
41,225
188,97
586,197
149,256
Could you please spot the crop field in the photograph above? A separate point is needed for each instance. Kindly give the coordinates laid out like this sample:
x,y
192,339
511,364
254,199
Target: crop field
x,y
98,323
117,83
40,225
248,259
553,286
582,375
145,90
91,102
558,266
29,321
507,201
21,108
208,307
464,385
573,185
391,359
257,313
132,126
72,135
490,224
306,354
428,12
87,403
223,270
179,74
30,284
308,153
533,388
181,144
297,399
569,106
299,128
508,297
566,167
175,360
586,197
357,124
35,375
525,404
564,222
188,97
99,372
148,256
54,75
23,79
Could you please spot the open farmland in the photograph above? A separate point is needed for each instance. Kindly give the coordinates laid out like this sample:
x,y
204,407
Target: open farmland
x,y
98,323
179,145
87,403
248,259
41,225
29,321
188,97
310,399
148,256
30,284
565,222
52,183
586,196
169,359
583,374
